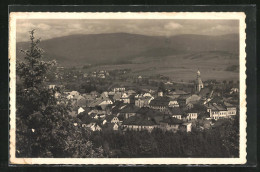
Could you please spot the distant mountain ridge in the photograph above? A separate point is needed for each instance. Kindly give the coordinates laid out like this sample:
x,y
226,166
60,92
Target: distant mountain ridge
x,y
117,48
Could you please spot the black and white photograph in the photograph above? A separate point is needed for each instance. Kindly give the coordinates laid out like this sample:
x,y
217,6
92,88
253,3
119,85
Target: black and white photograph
x,y
130,88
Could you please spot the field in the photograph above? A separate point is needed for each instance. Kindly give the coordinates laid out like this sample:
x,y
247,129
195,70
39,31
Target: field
x,y
212,65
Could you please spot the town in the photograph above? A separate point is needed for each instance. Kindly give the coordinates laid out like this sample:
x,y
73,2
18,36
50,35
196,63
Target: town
x,y
119,101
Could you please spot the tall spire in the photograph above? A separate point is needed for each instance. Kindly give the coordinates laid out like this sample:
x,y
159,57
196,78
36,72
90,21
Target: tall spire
x,y
199,84
198,73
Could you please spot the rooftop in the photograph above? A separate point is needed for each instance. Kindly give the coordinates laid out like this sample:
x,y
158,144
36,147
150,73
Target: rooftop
x,y
141,121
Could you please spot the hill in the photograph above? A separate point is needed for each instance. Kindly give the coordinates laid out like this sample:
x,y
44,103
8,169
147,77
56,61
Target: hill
x,y
217,56
117,48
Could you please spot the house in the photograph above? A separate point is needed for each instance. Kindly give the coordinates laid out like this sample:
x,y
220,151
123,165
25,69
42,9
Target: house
x,y
52,86
88,98
85,75
117,96
173,103
170,124
104,95
106,101
206,92
100,102
231,109
147,95
234,90
192,115
143,101
219,110
95,127
115,120
139,123
174,112
69,97
81,101
115,127
74,93
147,112
94,94
119,89
96,112
193,99
178,92
101,75
104,122
159,103
128,110
80,110
160,93
125,98
183,100
189,105
186,127
131,92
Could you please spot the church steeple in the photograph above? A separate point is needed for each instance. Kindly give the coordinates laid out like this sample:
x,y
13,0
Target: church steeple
x,y
198,84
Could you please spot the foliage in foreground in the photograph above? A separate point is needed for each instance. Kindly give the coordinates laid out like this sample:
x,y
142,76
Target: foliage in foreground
x,y
43,126
221,141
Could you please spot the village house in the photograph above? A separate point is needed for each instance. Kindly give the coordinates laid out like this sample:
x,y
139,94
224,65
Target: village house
x,y
189,105
115,127
74,93
206,92
81,101
193,99
85,75
95,112
119,89
159,103
234,90
173,103
192,115
218,111
186,127
88,98
117,96
125,98
231,109
170,124
174,112
143,101
100,102
104,122
128,110
115,120
80,110
52,86
95,127
94,94
131,92
139,123
186,99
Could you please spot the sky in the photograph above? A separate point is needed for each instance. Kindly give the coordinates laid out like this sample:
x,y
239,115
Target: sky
x,y
51,28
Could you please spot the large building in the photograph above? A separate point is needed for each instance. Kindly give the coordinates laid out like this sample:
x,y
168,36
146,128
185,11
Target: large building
x,y
198,83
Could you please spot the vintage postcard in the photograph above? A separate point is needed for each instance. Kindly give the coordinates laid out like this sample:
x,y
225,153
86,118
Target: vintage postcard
x,y
127,88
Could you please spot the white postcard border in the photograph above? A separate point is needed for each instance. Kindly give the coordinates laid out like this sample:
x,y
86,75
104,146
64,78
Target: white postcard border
x,y
127,15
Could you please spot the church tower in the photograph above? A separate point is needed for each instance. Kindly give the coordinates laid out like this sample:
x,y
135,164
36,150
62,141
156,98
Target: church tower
x,y
198,83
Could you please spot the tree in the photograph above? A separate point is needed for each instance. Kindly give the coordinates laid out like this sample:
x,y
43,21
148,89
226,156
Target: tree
x,y
43,125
